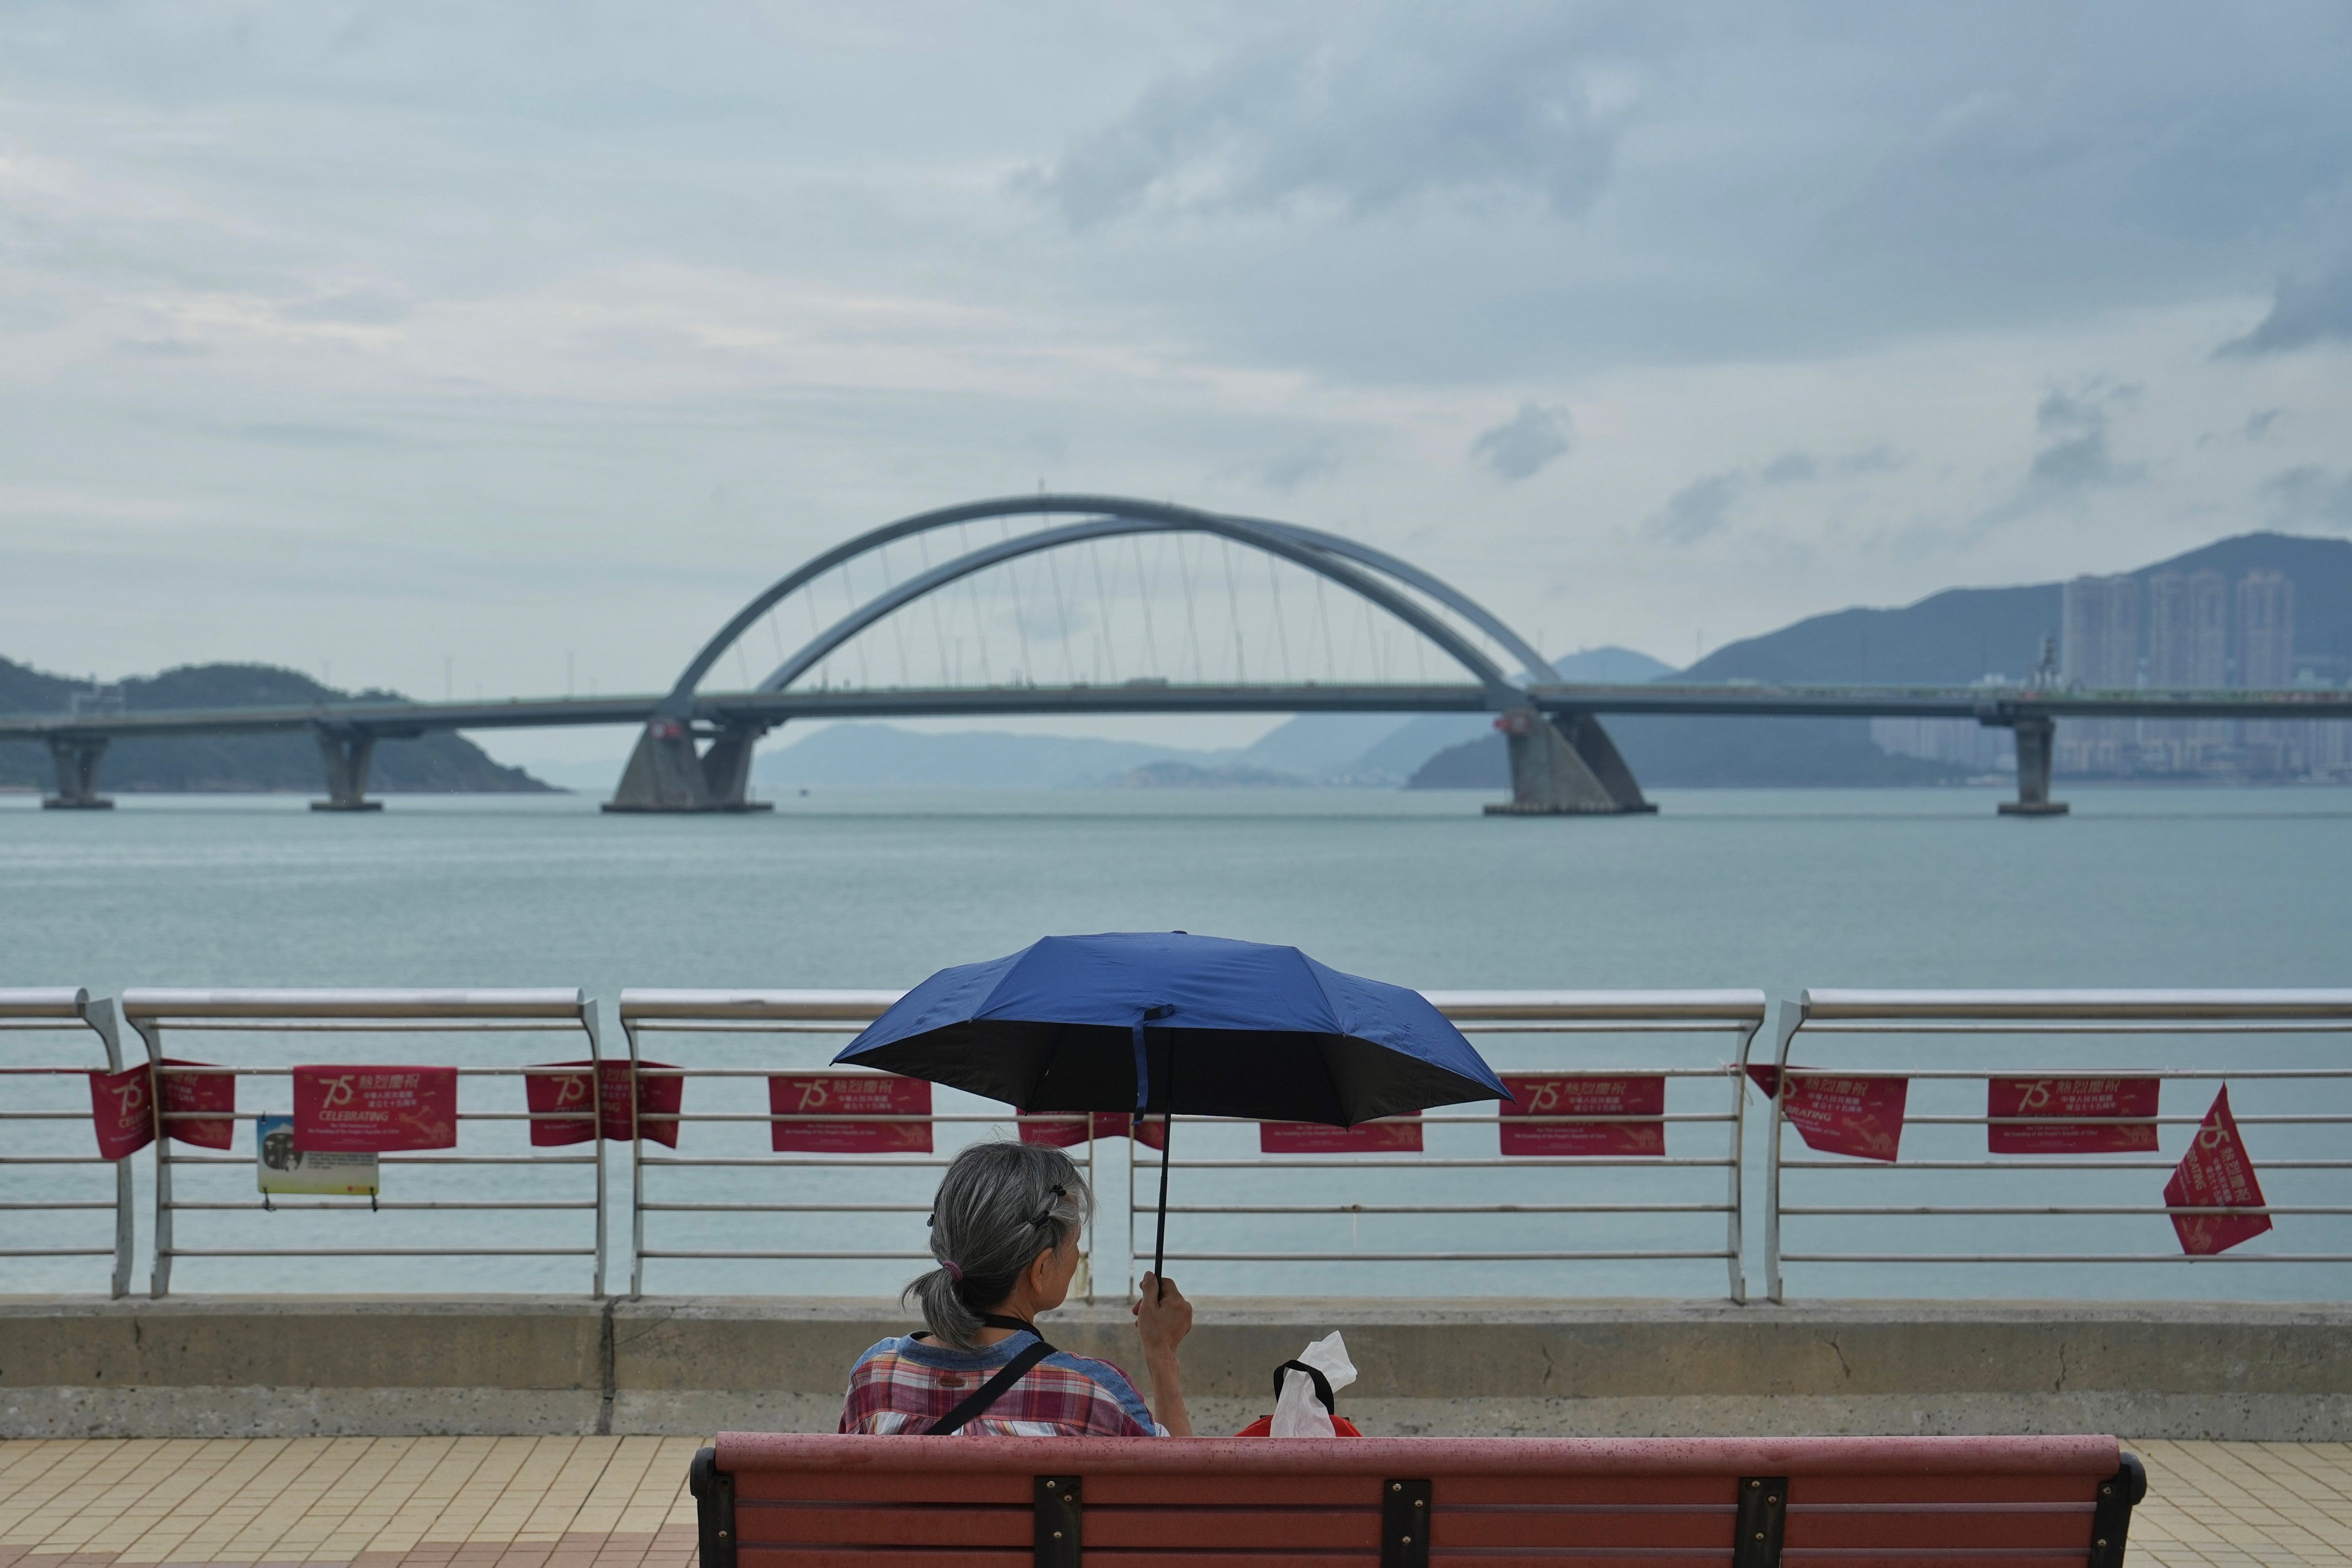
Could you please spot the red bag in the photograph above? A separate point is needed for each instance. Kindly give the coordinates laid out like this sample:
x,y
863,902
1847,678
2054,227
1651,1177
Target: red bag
x,y
1264,1427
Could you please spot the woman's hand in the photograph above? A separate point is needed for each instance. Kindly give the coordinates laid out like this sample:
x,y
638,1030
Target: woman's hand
x,y
1162,1316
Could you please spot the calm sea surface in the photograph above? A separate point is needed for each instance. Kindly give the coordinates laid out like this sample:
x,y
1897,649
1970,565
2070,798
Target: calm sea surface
x,y
1768,889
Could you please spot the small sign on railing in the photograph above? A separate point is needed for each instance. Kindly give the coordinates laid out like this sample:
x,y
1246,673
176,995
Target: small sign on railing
x,y
1389,1135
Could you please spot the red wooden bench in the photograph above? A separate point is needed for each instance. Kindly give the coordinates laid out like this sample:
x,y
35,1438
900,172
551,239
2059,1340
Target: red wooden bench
x,y
778,1501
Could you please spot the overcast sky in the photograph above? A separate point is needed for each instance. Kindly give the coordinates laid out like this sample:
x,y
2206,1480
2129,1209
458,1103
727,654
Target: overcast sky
x,y
373,337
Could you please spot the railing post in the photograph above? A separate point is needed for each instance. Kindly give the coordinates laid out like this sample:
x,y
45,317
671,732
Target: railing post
x,y
1733,1241
636,1167
101,1016
596,1105
1791,1019
159,1270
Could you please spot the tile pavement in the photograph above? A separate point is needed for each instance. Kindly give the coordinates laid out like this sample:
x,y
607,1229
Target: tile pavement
x,y
621,1503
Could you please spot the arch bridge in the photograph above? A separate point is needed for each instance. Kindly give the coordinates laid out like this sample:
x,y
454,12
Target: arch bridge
x,y
695,752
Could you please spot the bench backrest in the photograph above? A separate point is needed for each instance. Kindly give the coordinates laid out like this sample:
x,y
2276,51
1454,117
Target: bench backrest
x,y
769,1501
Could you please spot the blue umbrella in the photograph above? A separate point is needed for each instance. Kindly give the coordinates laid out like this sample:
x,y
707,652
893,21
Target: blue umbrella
x,y
1099,1023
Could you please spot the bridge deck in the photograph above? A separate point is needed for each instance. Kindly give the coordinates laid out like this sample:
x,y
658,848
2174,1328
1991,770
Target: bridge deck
x,y
621,1503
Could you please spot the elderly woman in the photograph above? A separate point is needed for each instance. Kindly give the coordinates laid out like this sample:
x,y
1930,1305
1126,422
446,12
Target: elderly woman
x,y
1006,1229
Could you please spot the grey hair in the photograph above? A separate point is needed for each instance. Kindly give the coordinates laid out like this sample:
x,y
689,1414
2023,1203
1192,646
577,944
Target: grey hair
x,y
985,1221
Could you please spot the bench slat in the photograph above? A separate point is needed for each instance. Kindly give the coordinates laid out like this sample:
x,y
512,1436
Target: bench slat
x,y
1810,1491
885,1557
1719,1492
2057,1531
1303,1491
866,1524
1450,1531
1205,1527
882,1486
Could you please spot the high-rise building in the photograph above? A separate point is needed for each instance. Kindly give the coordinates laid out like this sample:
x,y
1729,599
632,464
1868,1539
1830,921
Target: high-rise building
x,y
2266,662
2188,646
2098,648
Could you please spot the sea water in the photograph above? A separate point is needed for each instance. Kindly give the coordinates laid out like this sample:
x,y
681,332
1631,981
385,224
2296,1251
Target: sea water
x,y
1776,889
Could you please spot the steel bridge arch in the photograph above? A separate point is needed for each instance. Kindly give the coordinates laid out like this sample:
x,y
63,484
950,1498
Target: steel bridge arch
x,y
1561,762
1323,553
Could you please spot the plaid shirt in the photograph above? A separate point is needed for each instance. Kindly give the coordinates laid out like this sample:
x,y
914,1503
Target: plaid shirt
x,y
905,1384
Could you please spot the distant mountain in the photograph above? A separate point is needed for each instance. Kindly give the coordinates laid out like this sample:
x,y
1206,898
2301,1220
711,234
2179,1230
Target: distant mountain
x,y
883,756
1191,775
1711,753
1951,638
435,763
1961,634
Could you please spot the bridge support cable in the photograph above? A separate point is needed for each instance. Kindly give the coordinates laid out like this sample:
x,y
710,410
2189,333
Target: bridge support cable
x,y
347,754
77,758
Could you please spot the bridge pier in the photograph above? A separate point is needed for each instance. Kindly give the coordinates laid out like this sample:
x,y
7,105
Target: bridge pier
x,y
77,758
666,773
2034,747
1565,767
347,754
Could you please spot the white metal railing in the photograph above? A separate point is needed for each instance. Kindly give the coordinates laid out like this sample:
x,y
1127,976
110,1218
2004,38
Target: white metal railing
x,y
2068,1060
452,1181
713,1189
1585,1039
47,1012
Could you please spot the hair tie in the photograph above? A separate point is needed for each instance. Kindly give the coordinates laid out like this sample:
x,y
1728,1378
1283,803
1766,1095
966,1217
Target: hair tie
x,y
955,1269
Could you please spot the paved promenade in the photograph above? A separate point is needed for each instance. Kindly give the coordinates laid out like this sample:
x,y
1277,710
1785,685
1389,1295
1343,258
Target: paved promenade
x,y
621,1503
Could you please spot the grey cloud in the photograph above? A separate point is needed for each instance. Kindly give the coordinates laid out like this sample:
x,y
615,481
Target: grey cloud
x,y
2078,457
2303,312
1524,443
1789,468
372,307
1290,469
2309,493
304,434
2259,423
1371,113
1695,510
161,348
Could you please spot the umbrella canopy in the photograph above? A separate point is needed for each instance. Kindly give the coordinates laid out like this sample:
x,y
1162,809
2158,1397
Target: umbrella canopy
x,y
1169,1023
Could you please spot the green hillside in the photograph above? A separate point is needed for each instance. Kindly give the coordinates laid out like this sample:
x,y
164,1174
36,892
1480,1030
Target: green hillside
x,y
440,763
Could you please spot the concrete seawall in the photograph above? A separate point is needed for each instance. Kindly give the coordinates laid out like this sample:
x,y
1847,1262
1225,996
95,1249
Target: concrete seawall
x,y
317,1365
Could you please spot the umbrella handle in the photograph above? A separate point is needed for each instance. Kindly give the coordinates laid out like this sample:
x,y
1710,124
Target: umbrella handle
x,y
1160,1241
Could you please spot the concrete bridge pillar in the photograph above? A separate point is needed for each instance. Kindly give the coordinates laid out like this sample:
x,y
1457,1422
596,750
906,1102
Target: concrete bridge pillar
x,y
666,773
1568,768
77,758
347,754
2034,747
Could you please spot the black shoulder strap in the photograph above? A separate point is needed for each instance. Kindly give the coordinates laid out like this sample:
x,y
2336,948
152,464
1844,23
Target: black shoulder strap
x,y
977,1402
1322,1383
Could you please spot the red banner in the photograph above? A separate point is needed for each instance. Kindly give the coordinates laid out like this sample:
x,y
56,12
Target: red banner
x,y
849,1095
122,1112
374,1110
1766,1077
1061,1129
198,1091
1580,1095
564,1108
1859,1116
2041,1102
2215,1174
1390,1135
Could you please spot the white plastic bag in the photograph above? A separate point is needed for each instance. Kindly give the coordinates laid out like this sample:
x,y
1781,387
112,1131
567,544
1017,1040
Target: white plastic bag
x,y
1297,1411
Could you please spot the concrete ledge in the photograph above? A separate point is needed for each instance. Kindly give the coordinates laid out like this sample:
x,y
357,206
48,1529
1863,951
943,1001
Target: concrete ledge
x,y
287,1366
